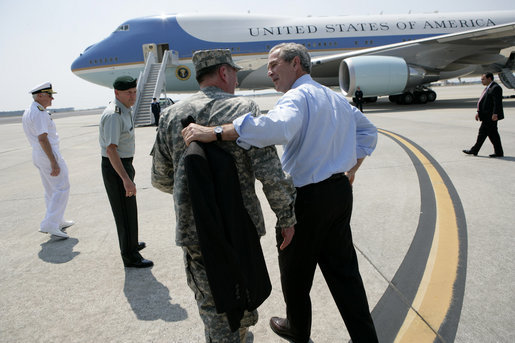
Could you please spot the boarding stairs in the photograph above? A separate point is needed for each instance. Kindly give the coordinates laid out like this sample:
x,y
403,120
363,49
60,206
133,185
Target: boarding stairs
x,y
152,84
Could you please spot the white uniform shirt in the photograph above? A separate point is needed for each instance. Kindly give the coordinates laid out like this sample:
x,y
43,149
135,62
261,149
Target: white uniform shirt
x,y
37,121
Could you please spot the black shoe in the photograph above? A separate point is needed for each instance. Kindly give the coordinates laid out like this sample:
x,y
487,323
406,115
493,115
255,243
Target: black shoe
x,y
141,245
140,264
470,152
495,155
281,327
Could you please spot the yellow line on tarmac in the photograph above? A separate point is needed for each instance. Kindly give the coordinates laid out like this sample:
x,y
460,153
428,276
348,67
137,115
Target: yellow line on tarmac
x,y
435,292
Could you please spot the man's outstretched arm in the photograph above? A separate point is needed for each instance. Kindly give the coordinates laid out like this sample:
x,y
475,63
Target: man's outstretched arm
x,y
206,134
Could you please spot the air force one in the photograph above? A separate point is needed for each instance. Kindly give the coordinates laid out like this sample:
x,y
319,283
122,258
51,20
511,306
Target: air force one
x,y
392,55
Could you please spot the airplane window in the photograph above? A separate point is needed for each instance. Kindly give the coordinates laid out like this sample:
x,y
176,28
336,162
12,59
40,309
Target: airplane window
x,y
96,61
122,28
116,59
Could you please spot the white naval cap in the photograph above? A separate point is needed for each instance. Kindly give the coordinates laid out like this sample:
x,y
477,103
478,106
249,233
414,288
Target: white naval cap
x,y
45,87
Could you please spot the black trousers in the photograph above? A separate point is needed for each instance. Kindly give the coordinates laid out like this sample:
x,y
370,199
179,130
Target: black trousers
x,y
323,237
488,129
157,115
124,209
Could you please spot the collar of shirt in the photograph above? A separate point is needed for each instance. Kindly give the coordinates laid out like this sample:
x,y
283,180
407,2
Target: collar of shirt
x,y
122,106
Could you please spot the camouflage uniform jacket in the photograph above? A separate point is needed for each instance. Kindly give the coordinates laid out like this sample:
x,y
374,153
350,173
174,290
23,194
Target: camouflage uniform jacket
x,y
210,107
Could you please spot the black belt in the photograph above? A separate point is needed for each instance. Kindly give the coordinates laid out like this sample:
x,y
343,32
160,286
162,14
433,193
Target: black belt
x,y
123,159
334,177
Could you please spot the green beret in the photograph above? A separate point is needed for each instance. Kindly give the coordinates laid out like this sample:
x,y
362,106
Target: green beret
x,y
124,82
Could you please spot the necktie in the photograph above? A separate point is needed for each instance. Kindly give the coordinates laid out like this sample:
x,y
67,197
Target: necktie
x,y
481,97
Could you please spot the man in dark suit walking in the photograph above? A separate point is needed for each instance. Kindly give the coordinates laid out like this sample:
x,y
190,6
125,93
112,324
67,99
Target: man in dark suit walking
x,y
489,112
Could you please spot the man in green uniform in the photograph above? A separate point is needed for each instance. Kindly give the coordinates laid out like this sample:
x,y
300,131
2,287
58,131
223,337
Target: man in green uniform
x,y
215,104
117,144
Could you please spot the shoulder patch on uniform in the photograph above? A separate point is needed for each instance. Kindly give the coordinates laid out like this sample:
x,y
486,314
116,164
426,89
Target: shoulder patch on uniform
x,y
117,110
41,108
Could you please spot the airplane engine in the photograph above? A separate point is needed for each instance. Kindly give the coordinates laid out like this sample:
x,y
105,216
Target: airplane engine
x,y
375,75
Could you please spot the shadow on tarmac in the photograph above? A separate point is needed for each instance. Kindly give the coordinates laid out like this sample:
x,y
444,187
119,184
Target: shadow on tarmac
x,y
57,250
149,298
385,106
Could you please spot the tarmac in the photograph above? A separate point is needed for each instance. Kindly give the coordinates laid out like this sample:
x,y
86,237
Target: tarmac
x,y
433,229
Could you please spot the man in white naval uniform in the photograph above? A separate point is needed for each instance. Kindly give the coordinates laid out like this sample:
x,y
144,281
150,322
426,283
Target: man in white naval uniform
x,y
42,135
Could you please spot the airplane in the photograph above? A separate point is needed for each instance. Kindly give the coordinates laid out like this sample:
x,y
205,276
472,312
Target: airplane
x,y
385,55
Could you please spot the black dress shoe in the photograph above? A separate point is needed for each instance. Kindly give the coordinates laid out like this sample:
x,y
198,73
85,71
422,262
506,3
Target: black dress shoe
x,y
495,155
470,152
141,245
140,264
281,327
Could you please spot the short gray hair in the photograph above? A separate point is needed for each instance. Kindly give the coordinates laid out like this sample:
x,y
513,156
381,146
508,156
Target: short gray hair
x,y
35,96
288,51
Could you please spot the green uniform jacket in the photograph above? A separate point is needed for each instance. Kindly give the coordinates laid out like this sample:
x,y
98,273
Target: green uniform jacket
x,y
211,106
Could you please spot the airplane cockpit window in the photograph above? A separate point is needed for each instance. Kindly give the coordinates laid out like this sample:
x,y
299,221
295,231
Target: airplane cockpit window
x,y
122,28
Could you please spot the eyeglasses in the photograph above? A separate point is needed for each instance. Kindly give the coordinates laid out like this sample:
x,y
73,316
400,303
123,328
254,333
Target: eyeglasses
x,y
49,94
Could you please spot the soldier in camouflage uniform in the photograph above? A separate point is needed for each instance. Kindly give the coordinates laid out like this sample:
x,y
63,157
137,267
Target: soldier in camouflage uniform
x,y
215,104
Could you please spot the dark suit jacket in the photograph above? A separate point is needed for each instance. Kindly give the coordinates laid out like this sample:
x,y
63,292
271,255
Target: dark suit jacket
x,y
156,107
491,103
234,262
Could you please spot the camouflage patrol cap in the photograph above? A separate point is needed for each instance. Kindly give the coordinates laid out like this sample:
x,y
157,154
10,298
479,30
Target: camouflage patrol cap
x,y
208,58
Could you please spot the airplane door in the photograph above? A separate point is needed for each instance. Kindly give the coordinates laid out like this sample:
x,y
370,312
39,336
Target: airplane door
x,y
161,48
147,48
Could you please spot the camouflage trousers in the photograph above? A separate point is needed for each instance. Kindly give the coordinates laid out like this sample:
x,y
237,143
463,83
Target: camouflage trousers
x,y
216,325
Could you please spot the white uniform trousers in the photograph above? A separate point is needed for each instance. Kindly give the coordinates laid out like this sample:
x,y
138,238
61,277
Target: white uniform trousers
x,y
57,189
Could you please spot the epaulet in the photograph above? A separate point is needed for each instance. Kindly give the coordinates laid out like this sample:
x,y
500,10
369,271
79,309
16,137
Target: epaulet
x,y
117,110
41,108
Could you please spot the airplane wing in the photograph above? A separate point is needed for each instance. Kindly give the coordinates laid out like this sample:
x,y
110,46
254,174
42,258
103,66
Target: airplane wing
x,y
436,55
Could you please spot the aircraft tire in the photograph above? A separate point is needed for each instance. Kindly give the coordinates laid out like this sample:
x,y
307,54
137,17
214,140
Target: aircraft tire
x,y
407,98
421,97
393,98
431,96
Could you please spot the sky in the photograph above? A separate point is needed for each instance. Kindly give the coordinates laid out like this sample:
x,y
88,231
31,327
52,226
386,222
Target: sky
x,y
39,40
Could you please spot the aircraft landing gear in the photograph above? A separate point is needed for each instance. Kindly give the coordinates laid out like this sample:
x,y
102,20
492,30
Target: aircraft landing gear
x,y
408,98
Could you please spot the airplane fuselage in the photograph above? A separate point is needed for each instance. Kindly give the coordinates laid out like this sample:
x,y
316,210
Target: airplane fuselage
x,y
250,37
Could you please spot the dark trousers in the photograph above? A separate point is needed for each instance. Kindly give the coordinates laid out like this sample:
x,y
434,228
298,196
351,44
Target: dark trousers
x,y
157,115
124,209
488,129
323,236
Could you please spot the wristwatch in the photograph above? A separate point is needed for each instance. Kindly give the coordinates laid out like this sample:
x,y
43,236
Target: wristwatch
x,y
218,132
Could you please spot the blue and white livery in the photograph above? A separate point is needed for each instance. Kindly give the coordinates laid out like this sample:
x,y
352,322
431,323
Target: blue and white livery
x,y
396,55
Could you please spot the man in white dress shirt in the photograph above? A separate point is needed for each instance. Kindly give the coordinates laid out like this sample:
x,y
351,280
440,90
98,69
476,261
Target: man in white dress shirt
x,y
325,140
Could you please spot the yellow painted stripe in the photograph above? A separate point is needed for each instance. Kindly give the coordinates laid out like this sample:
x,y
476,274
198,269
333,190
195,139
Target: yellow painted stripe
x,y
435,292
